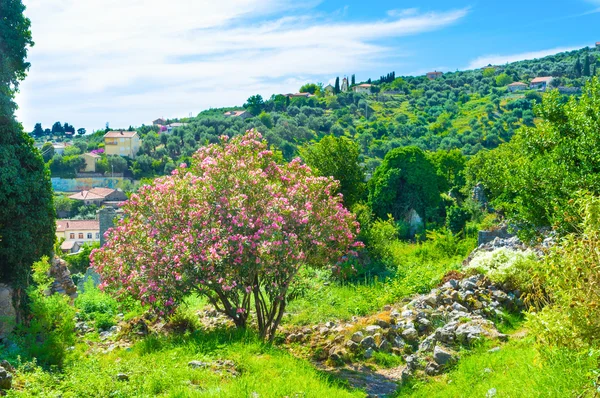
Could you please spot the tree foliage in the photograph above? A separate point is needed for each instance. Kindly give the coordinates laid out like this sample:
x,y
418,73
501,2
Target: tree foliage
x,y
405,180
338,157
236,227
26,210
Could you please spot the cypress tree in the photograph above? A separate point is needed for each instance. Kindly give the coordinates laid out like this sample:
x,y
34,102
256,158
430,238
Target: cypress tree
x,y
586,66
577,67
336,88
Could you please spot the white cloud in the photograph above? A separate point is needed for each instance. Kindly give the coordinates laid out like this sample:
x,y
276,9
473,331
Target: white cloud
x,y
503,59
128,62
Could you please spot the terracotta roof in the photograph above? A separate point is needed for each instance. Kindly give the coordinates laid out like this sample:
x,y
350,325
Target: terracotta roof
x,y
86,195
68,244
364,85
77,225
102,191
93,155
234,113
545,79
120,134
517,84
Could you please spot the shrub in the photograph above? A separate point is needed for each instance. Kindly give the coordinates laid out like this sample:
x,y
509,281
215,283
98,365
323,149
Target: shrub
x,y
51,328
504,265
571,276
456,219
95,305
236,227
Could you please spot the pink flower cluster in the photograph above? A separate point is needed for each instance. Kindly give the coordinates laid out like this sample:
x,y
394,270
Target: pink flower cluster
x,y
233,225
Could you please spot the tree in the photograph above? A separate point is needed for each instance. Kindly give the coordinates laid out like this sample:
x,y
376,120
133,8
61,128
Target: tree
x,y
405,180
336,87
255,104
48,132
81,131
236,228
353,80
311,88
47,151
577,67
338,158
27,227
586,65
58,129
503,80
38,130
450,166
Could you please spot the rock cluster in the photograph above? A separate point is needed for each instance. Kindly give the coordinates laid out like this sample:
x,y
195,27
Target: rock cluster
x,y
6,375
426,332
63,283
8,315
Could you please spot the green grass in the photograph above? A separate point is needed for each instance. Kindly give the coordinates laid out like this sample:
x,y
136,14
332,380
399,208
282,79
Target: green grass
x,y
158,367
517,370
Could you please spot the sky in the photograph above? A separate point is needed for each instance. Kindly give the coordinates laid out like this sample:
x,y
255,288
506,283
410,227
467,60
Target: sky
x,y
128,62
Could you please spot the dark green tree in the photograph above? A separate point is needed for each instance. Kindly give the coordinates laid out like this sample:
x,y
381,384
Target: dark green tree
x,y
81,131
586,66
38,130
405,180
58,129
577,67
353,80
27,227
255,104
47,151
338,157
336,87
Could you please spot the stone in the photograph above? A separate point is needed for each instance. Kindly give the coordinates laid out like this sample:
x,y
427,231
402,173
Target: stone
x,y
368,342
442,356
383,324
395,314
330,325
7,366
387,308
5,379
432,369
459,307
398,342
122,377
352,345
427,344
357,337
405,375
8,315
407,314
198,365
412,362
384,346
324,330
372,329
335,354
495,349
369,353
492,392
410,334
451,284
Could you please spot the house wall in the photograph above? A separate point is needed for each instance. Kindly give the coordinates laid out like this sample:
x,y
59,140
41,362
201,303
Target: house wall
x,y
67,235
362,90
122,146
85,184
90,164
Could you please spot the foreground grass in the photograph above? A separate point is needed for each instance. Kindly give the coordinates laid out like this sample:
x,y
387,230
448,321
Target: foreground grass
x,y
158,367
518,369
418,269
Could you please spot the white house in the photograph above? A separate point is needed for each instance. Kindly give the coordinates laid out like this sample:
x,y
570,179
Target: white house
x,y
541,83
516,86
77,232
362,88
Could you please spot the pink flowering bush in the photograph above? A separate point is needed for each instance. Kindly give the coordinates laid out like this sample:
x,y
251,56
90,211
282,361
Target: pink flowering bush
x,y
235,227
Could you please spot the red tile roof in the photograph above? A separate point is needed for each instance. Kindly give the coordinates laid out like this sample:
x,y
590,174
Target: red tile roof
x,y
120,134
102,191
77,225
234,113
86,195
364,85
544,79
517,84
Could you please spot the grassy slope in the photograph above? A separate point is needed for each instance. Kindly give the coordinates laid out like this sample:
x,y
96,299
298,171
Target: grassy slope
x,y
157,367
517,370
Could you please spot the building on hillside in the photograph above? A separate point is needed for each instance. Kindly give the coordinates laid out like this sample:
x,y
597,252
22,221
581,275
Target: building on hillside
x,y
99,196
516,86
541,83
77,232
344,87
170,127
362,88
598,44
434,75
159,122
329,89
59,147
91,159
299,95
240,114
122,143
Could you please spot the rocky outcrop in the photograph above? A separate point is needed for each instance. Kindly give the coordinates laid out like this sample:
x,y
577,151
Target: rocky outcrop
x,y
426,332
6,376
63,283
8,315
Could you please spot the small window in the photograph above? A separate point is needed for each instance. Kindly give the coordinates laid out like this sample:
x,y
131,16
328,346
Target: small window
x,y
81,235
97,235
89,235
71,236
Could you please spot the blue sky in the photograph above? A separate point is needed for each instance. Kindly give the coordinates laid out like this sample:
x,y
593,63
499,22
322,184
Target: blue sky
x,y
128,62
